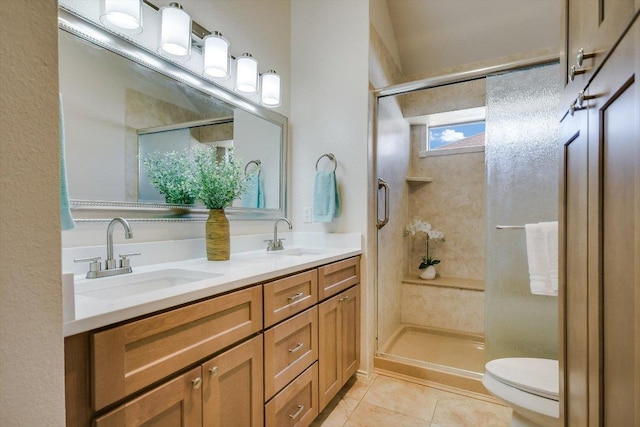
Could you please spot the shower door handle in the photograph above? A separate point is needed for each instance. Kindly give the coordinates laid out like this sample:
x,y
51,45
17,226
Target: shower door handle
x,y
381,223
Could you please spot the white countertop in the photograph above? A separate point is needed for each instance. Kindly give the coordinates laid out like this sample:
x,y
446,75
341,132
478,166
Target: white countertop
x,y
91,310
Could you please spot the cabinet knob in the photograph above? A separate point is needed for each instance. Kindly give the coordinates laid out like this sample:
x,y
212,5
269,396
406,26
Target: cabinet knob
x,y
573,72
582,97
298,412
213,371
196,383
581,56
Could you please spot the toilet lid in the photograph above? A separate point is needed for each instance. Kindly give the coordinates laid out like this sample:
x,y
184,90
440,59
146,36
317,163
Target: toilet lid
x,y
535,376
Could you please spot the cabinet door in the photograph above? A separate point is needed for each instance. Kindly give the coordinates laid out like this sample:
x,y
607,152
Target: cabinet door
x,y
350,306
594,26
232,387
337,277
572,274
614,149
285,297
329,357
297,404
175,403
290,348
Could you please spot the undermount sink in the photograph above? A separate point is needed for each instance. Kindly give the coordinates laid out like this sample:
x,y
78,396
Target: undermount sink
x,y
299,252
139,283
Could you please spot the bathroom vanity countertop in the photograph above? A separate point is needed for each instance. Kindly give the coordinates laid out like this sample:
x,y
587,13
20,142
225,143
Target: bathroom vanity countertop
x,y
94,310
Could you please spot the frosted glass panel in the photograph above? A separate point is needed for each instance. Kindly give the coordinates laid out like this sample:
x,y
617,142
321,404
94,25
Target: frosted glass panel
x,y
522,187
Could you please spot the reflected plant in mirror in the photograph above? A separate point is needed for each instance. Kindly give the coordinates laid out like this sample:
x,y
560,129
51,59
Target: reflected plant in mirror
x,y
219,179
172,174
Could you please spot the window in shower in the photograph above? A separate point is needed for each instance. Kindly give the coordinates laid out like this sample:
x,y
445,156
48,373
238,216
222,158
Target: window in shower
x,y
452,132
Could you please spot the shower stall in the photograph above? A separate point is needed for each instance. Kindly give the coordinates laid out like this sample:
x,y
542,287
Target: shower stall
x,y
479,306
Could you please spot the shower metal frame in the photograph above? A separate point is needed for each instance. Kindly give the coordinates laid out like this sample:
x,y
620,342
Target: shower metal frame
x,y
414,86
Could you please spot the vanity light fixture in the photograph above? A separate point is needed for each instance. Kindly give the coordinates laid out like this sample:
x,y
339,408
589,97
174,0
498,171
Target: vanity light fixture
x,y
124,16
246,74
216,56
175,32
270,86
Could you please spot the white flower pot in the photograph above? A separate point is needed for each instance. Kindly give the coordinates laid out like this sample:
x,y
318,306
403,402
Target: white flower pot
x,y
428,273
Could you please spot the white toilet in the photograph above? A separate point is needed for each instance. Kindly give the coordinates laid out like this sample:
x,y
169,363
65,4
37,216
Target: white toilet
x,y
529,386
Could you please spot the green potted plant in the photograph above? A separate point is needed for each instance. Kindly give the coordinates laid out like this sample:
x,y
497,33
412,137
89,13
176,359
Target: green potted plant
x,y
171,173
219,181
427,266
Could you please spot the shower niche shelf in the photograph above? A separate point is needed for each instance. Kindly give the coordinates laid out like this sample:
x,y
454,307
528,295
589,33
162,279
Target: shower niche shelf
x,y
418,180
447,282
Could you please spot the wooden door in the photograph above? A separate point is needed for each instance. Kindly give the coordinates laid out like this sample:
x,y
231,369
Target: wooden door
x,y
178,402
329,350
614,262
350,301
573,289
232,387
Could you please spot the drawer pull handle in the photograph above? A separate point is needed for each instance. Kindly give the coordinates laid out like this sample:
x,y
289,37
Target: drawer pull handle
x,y
296,348
294,416
197,383
344,298
213,371
296,297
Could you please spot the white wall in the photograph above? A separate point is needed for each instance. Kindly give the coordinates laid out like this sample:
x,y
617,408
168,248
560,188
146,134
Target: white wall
x,y
329,113
31,350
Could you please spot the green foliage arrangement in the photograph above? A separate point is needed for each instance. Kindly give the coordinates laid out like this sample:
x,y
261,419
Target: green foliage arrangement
x,y
219,180
172,173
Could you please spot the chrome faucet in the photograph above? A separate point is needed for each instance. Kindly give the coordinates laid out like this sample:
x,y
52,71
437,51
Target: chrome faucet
x,y
276,244
111,266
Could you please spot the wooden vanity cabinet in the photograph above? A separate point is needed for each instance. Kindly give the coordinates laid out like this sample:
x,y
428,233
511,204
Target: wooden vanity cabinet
x,y
339,334
213,363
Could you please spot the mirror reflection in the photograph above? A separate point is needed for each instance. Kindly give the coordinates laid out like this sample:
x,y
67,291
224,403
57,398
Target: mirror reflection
x,y
117,112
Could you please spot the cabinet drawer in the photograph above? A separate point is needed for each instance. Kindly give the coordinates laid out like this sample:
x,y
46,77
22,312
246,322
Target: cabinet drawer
x,y
337,277
175,403
285,297
297,404
289,348
132,356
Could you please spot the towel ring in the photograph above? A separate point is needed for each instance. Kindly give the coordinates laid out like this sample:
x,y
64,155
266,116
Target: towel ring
x,y
258,164
331,157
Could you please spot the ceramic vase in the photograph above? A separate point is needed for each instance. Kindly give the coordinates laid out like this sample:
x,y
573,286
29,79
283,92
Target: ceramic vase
x,y
428,273
217,235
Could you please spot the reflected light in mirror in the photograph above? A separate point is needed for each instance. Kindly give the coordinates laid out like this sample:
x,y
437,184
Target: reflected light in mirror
x,y
247,74
124,15
270,86
216,56
175,33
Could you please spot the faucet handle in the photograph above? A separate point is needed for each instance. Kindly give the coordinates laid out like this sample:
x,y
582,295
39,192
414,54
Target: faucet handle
x,y
124,259
94,262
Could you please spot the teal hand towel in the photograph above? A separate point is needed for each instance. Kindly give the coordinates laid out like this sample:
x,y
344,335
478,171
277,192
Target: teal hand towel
x,y
253,196
326,199
66,220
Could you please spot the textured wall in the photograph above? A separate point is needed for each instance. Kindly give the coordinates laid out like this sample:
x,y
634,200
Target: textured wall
x,y
31,350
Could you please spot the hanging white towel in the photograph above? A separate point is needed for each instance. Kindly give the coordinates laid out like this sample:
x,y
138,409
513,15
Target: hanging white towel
x,y
542,256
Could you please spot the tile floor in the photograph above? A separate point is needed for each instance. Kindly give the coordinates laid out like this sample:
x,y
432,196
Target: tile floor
x,y
389,402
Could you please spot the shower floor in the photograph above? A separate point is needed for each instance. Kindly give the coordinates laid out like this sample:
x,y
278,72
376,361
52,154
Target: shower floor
x,y
447,349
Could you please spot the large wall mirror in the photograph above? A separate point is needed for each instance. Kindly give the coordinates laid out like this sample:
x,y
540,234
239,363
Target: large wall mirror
x,y
122,103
